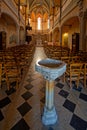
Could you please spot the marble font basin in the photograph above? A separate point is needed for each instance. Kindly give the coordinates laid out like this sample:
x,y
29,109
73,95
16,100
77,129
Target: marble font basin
x,y
50,68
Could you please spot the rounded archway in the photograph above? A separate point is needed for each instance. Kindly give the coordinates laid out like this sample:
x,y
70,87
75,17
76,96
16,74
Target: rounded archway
x,y
69,29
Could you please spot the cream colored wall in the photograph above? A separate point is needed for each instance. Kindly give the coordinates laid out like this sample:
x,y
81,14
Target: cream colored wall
x,y
9,30
12,30
22,36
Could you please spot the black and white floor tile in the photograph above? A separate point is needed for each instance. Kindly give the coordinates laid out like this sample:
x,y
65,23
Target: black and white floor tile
x,y
22,109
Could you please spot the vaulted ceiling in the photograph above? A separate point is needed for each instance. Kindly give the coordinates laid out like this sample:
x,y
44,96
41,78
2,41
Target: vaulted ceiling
x,y
45,3
42,8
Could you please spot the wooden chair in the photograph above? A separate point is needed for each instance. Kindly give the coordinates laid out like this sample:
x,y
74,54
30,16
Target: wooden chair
x,y
74,73
84,73
2,74
75,59
66,59
12,74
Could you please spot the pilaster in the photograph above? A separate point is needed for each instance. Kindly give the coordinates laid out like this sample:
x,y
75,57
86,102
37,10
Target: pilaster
x,y
82,25
18,33
60,35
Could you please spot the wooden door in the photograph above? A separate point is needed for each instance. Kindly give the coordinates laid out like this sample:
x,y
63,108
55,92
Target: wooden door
x,y
0,40
75,42
3,40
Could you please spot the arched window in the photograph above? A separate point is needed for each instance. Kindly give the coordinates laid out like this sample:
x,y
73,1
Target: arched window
x,y
48,24
39,23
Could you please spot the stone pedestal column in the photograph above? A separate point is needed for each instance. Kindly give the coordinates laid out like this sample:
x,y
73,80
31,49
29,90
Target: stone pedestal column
x,y
50,69
49,115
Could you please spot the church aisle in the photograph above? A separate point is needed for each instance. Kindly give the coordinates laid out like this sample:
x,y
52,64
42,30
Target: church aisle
x,y
22,109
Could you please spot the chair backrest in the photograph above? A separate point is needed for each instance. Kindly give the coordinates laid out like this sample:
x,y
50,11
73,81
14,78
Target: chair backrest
x,y
0,73
75,59
85,68
66,59
75,68
0,69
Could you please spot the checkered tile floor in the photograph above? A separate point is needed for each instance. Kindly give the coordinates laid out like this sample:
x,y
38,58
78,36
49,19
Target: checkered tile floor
x,y
22,109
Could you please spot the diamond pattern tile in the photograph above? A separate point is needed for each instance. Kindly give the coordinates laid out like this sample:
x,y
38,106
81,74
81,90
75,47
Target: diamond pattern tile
x,y
28,86
4,102
69,105
83,97
60,85
21,125
12,90
77,123
27,95
64,93
24,108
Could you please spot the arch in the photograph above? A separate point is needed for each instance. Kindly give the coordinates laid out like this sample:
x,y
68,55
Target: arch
x,y
69,27
71,14
7,14
3,36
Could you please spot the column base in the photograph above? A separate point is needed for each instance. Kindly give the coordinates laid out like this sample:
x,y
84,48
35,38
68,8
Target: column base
x,y
49,117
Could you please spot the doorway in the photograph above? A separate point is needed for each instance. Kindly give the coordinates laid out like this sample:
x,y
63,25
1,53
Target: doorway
x,y
2,40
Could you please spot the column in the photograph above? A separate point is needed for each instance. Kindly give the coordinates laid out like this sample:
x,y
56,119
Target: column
x,y
18,34
49,95
85,31
82,32
60,35
49,116
82,25
60,38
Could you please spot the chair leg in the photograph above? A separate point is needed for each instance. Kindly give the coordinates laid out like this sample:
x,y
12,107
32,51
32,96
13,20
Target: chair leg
x,y
84,80
8,85
17,84
64,78
70,82
78,82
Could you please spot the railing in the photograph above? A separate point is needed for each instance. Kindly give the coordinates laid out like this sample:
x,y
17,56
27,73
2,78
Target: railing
x,y
34,31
